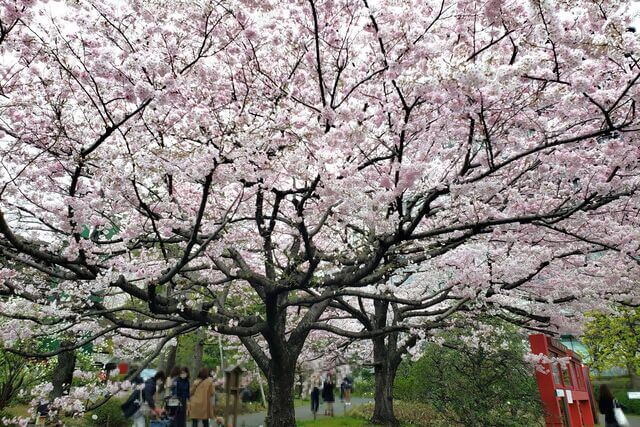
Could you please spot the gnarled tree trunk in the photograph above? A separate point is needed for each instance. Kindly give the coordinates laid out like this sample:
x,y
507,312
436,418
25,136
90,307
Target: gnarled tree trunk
x,y
63,372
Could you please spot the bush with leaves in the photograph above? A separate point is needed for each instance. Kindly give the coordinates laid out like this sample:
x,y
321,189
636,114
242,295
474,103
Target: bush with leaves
x,y
108,415
18,375
475,378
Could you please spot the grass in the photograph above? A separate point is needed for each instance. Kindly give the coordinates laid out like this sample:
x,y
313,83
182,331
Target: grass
x,y
17,410
339,422
334,422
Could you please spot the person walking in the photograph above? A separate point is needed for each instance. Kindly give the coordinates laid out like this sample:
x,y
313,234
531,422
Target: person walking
x,y
315,397
144,400
170,399
348,386
328,395
606,404
131,406
171,381
200,404
181,392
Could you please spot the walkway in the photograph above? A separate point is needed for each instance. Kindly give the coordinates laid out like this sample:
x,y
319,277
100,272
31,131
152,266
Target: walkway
x,y
302,413
634,420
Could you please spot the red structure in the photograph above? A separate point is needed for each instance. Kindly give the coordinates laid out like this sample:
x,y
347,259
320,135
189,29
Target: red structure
x,y
566,392
123,367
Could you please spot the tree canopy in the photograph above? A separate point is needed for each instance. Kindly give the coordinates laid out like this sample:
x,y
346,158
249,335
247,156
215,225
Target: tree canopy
x,y
245,167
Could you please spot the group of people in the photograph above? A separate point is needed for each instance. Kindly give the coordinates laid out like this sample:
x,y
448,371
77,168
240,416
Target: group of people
x,y
328,394
174,399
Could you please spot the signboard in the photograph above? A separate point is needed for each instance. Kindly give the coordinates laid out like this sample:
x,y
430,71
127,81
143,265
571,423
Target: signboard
x,y
633,394
569,396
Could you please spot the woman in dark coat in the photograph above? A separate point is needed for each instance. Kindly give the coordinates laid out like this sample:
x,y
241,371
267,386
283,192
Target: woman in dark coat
x,y
315,397
181,391
606,403
328,396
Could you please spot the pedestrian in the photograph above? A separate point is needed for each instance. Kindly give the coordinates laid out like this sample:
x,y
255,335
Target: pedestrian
x,y
200,404
348,387
171,381
141,403
607,404
180,392
315,397
328,395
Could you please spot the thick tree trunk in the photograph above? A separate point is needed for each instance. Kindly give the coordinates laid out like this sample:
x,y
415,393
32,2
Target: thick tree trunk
x,y
385,374
383,410
63,372
280,412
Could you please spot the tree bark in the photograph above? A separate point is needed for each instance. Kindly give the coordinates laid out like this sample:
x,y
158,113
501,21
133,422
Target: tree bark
x,y
63,372
198,352
170,360
385,373
281,411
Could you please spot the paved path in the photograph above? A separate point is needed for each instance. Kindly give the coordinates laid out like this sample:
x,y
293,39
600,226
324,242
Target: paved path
x,y
634,420
302,412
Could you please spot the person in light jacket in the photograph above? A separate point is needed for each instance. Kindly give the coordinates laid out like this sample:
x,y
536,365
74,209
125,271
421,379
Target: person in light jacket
x,y
200,404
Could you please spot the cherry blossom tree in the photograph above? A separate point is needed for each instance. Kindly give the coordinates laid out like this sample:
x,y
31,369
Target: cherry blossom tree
x,y
240,166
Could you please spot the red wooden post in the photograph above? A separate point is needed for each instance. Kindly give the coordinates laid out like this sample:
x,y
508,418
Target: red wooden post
x,y
565,391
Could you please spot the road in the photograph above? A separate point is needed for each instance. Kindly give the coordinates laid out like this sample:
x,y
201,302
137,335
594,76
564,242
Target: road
x,y
302,413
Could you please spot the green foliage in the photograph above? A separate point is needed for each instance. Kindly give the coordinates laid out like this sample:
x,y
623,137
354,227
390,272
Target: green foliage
x,y
481,385
364,381
333,422
613,340
108,415
186,348
408,413
17,375
632,405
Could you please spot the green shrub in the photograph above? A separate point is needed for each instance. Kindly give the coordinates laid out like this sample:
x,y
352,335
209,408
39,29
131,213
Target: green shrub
x,y
408,413
481,385
632,405
108,415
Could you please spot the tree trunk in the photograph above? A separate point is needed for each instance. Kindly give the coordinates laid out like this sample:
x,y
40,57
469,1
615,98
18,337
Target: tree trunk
x,y
63,372
198,352
281,412
170,359
634,377
385,374
383,410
